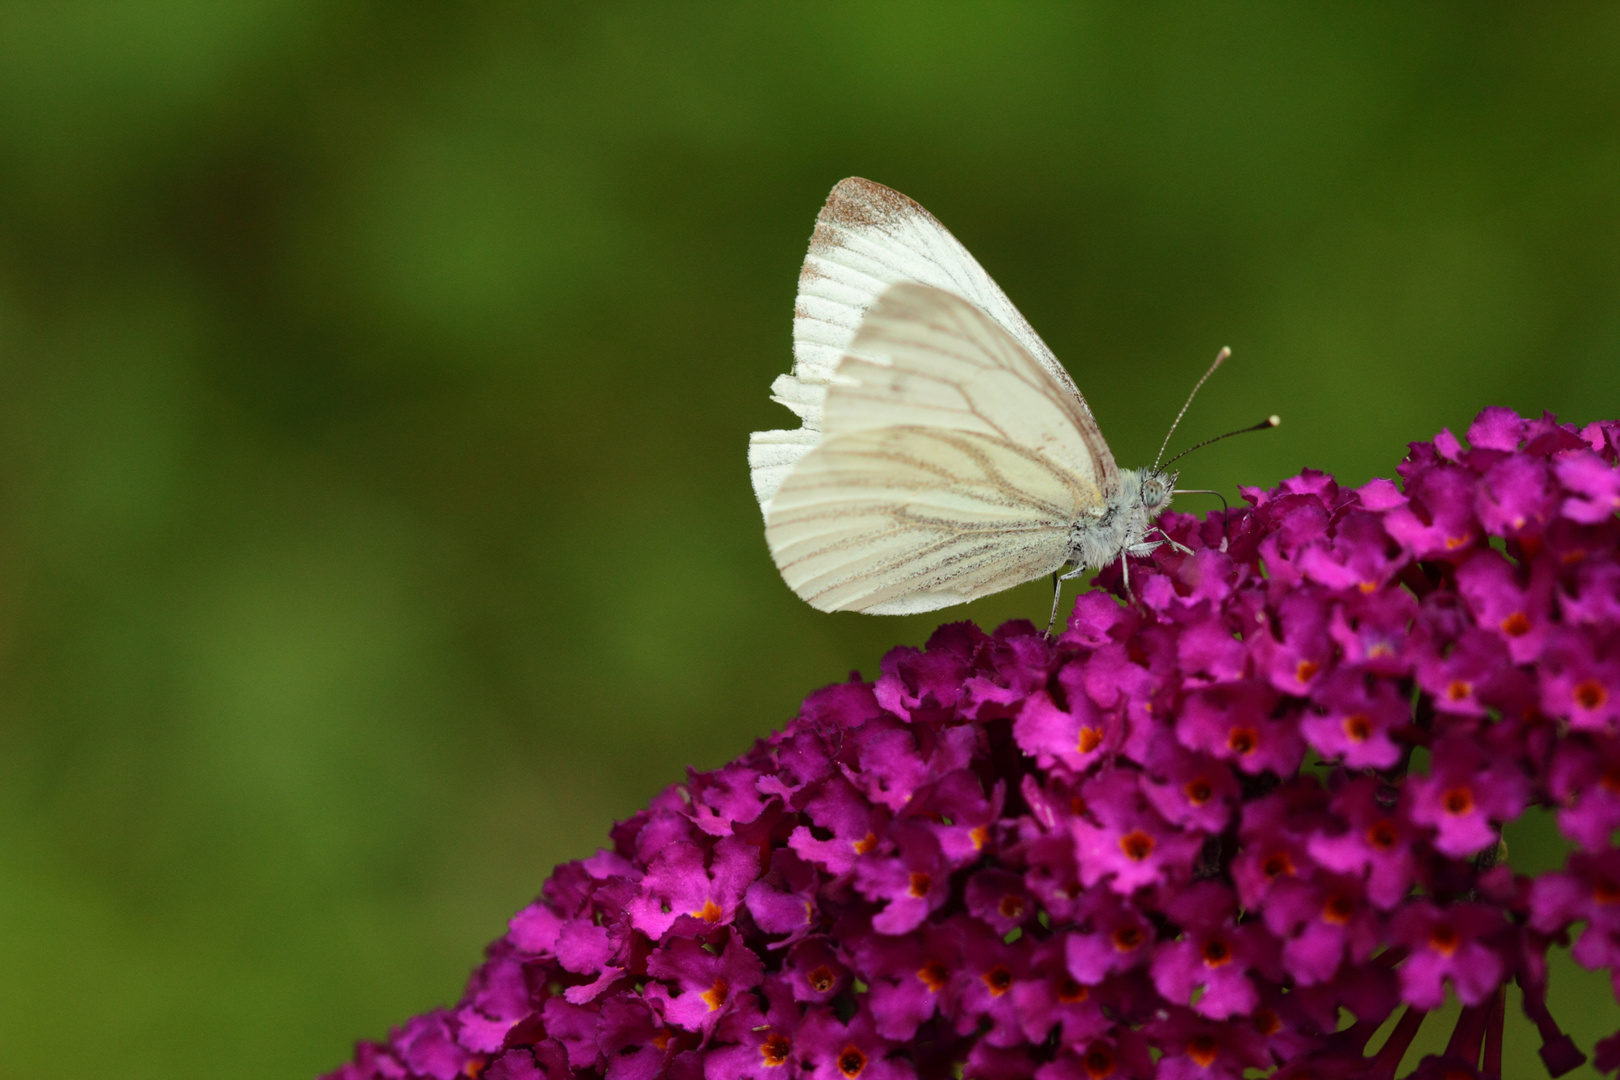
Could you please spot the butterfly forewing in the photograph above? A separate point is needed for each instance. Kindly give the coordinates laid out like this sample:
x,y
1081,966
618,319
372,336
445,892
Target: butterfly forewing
x,y
868,237
927,357
908,519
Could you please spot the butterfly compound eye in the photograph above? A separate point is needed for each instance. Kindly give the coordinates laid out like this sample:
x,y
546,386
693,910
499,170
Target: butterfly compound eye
x,y
1153,491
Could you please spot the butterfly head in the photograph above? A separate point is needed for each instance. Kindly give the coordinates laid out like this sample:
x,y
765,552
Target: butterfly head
x,y
1156,488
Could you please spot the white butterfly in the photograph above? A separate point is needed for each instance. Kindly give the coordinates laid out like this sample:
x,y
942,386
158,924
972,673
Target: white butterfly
x,y
944,453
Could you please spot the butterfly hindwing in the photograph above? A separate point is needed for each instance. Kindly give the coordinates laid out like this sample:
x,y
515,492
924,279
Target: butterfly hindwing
x,y
900,520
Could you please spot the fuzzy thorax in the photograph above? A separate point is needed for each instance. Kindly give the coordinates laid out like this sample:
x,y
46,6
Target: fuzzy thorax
x,y
1125,520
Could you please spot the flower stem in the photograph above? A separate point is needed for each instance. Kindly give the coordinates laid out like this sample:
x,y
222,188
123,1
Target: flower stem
x,y
1394,1048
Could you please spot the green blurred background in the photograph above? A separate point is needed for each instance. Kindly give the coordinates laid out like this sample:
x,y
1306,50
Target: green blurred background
x,y
375,380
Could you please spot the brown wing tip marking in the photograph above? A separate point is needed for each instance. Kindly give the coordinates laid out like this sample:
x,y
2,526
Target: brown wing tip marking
x,y
860,203
821,240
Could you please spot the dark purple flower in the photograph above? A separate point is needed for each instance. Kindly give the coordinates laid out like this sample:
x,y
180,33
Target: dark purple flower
x,y
1438,522
428,1048
910,883
1109,856
1123,842
1448,943
1111,936
1593,486
1214,956
1465,795
1585,781
1068,729
816,971
1274,833
1187,789
1582,680
1234,723
1195,1049
1371,839
685,881
1050,996
1323,923
1359,721
1519,613
830,1049
994,967
1589,892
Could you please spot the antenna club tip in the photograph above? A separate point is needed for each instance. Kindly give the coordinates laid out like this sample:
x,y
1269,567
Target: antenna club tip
x,y
1273,420
1226,351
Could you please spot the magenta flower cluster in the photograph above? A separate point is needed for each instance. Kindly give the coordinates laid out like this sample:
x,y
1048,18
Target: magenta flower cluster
x,y
1182,840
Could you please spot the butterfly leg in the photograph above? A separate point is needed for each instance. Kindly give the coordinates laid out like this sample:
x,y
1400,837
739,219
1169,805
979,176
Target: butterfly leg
x,y
1057,594
1183,548
1058,578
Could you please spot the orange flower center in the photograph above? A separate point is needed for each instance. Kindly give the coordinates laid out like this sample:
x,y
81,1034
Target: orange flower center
x,y
715,996
865,844
1098,1063
774,1050
934,976
1338,909
1267,1022
851,1062
998,979
1277,864
1382,835
821,979
1605,891
1306,669
1590,694
979,835
1217,953
1358,727
1090,739
1203,1049
1199,791
1137,845
1458,690
1611,779
1443,939
1516,624
1070,991
919,884
1011,906
1127,938
709,912
1243,740
1458,801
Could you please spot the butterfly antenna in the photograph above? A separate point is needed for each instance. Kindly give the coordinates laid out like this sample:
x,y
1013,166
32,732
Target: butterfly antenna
x,y
1269,422
1220,358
